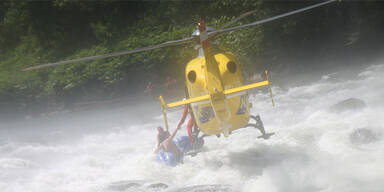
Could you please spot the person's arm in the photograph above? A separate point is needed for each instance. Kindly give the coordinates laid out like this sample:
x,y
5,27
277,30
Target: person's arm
x,y
158,140
158,148
174,133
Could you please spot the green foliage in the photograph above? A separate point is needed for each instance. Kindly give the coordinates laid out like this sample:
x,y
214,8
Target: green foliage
x,y
37,32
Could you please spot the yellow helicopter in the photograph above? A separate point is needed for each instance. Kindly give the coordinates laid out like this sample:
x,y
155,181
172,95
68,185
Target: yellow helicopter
x,y
215,90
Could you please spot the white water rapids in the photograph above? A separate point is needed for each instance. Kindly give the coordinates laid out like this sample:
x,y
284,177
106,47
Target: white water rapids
x,y
314,148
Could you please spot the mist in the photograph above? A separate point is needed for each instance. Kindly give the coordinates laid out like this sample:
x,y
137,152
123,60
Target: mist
x,y
327,83
321,144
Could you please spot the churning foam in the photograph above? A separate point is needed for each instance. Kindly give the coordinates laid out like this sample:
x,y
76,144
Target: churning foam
x,y
311,151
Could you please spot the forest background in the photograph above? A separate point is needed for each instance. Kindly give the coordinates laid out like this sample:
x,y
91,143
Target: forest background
x,y
38,32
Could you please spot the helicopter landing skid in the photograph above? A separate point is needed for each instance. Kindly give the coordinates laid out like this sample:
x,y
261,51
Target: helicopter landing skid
x,y
260,126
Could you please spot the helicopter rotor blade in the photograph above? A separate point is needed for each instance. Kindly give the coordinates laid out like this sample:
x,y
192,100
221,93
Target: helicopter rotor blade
x,y
239,17
181,41
221,31
114,54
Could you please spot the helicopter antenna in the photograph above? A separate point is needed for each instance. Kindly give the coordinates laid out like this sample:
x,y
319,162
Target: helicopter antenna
x,y
187,40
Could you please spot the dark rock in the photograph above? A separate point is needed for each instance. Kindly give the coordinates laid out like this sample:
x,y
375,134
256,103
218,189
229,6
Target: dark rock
x,y
348,104
363,136
205,188
124,185
157,186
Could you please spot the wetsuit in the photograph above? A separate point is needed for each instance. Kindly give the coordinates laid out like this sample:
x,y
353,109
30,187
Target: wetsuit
x,y
191,122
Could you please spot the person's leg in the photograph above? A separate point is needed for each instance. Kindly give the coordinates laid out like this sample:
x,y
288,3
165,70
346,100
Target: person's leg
x,y
189,129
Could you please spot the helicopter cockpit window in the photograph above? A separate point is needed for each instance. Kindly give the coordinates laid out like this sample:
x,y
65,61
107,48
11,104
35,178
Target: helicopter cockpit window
x,y
231,66
192,76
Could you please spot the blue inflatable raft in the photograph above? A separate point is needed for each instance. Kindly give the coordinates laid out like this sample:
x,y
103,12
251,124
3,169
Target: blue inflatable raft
x,y
182,143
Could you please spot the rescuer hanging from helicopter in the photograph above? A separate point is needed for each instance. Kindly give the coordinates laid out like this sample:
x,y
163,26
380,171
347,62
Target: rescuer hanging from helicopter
x,y
196,142
191,122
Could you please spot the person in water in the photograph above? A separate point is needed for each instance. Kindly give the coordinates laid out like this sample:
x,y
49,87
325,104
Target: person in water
x,y
168,145
161,135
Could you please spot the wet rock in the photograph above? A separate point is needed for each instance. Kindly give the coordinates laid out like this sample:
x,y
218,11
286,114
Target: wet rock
x,y
13,163
215,164
253,161
124,185
157,186
363,136
136,185
205,188
348,104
